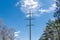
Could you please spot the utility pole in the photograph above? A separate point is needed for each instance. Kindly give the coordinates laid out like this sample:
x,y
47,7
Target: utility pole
x,y
30,14
30,24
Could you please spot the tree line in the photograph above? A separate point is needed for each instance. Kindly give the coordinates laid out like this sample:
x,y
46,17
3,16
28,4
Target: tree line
x,y
52,30
6,33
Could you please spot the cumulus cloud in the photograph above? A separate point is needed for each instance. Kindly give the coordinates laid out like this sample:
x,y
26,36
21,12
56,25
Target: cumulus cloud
x,y
16,33
30,3
50,9
34,6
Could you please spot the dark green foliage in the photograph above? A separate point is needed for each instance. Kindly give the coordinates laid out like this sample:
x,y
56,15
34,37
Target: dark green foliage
x,y
54,25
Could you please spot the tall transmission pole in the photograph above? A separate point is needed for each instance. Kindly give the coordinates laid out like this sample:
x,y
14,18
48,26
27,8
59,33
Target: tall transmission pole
x,y
30,24
30,14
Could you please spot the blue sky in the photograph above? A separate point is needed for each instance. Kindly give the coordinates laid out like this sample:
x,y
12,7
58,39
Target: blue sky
x,y
13,16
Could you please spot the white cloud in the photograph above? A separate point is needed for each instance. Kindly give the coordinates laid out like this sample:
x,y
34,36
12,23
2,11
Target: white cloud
x,y
31,3
50,9
27,5
35,7
28,15
16,33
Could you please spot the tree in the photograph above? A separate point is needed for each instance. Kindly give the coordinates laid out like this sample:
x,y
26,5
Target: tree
x,y
6,33
53,27
48,32
44,36
51,31
57,17
57,13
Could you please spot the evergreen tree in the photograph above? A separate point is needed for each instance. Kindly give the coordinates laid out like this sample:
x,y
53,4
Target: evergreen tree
x,y
57,17
54,26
